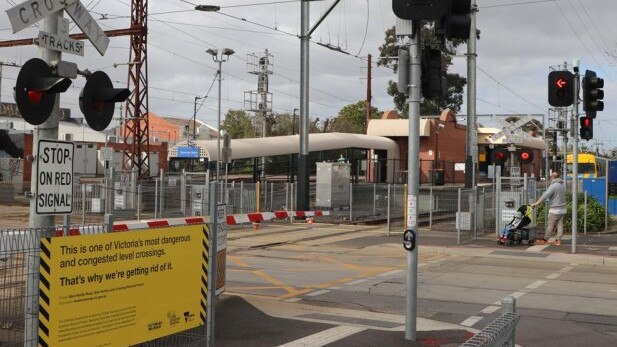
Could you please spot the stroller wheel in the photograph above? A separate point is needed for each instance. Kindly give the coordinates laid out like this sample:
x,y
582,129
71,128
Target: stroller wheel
x,y
530,242
510,243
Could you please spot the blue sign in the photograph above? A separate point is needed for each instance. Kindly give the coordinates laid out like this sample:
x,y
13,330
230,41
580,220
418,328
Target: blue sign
x,y
188,152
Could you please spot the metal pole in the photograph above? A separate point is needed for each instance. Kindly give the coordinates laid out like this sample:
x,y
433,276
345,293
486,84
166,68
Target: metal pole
x,y
430,208
575,158
83,204
413,182
241,197
585,214
218,127
606,176
388,206
156,196
471,150
271,195
46,130
458,217
195,117
139,202
350,201
162,195
213,223
374,197
303,157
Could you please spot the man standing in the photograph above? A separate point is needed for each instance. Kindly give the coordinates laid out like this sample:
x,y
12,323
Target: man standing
x,y
556,195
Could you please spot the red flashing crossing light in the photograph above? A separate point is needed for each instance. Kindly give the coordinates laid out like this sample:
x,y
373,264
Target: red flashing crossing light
x,y
525,156
35,96
499,156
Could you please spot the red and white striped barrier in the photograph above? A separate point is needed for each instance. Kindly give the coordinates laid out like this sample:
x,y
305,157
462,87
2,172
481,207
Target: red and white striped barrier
x,y
232,219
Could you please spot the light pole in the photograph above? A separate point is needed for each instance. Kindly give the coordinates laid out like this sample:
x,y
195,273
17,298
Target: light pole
x,y
219,58
195,116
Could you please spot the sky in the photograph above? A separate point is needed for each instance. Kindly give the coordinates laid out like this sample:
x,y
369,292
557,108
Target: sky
x,y
520,41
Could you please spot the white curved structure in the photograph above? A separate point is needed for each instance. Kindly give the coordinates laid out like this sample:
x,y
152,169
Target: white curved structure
x,y
281,145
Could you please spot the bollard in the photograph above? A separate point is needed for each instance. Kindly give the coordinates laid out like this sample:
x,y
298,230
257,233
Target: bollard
x,y
108,222
508,305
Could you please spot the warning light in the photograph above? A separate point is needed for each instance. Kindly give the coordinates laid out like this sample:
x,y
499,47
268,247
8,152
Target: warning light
x,y
586,129
499,156
560,88
525,156
35,96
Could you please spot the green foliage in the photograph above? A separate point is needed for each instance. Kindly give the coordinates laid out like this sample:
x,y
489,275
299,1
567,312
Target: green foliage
x,y
352,118
238,124
595,214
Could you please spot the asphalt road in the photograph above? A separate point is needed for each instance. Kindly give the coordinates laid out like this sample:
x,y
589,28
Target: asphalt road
x,y
345,285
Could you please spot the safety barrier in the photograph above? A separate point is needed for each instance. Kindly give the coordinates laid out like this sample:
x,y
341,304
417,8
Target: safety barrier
x,y
501,331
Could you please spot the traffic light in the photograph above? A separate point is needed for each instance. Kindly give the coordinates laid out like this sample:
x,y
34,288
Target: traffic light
x,y
525,156
36,89
456,23
433,80
560,88
420,9
499,156
97,100
592,94
586,131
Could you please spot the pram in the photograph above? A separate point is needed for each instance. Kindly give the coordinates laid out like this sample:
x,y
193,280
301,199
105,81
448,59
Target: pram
x,y
518,229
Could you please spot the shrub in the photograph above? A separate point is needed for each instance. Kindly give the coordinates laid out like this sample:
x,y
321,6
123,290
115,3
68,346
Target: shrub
x,y
595,214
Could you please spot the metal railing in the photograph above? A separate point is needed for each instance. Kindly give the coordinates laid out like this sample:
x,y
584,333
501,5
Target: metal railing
x,y
501,331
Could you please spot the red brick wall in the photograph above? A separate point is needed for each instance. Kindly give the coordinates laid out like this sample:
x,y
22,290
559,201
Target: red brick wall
x,y
163,130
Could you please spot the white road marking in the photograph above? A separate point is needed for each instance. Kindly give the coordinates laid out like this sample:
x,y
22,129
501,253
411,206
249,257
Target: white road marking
x,y
535,284
566,269
469,322
336,287
612,248
490,309
362,280
393,272
319,292
325,337
553,275
536,248
293,300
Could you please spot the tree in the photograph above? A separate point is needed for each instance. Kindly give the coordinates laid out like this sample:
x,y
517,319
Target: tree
x,y
352,118
455,82
238,124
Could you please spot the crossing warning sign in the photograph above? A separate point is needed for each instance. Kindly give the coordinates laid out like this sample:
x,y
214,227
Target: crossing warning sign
x,y
54,177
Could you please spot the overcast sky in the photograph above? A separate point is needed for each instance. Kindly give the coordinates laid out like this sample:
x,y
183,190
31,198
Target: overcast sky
x,y
520,41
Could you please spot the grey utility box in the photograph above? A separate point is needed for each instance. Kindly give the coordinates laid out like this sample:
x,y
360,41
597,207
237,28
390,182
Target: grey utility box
x,y
333,185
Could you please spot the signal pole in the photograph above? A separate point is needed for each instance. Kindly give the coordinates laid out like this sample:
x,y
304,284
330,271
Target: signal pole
x,y
413,182
46,130
575,156
471,152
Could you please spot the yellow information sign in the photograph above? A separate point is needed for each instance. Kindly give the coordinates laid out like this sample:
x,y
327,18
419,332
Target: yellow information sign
x,y
123,288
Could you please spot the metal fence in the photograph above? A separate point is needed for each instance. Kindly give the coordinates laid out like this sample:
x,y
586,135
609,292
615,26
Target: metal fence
x,y
19,271
500,332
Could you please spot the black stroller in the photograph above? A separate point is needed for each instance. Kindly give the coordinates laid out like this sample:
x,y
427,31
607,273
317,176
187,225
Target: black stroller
x,y
518,229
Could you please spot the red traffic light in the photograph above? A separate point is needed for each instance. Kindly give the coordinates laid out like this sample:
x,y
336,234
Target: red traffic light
x,y
561,83
97,100
585,122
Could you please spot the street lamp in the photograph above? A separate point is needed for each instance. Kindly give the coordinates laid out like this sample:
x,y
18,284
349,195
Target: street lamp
x,y
208,8
219,58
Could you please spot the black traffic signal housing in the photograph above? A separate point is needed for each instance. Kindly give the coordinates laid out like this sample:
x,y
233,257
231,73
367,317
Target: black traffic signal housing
x,y
499,156
36,89
434,83
97,100
420,9
456,23
586,128
560,88
592,94
525,156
